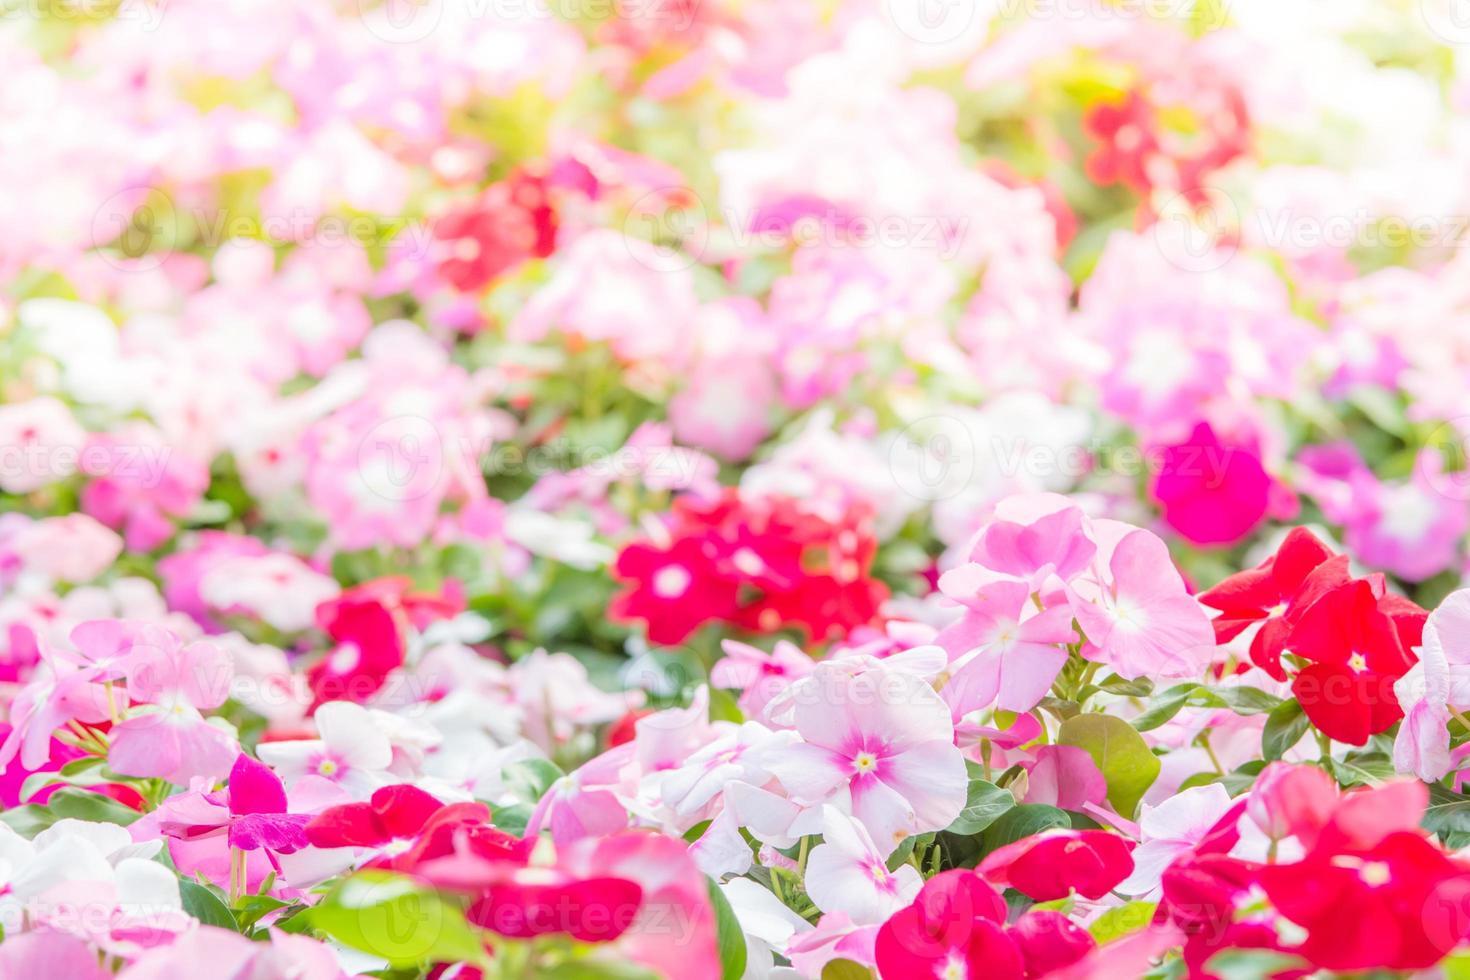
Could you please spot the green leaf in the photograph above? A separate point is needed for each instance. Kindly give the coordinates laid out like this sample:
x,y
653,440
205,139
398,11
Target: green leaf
x,y
985,802
845,970
28,820
1285,726
398,920
1022,821
730,936
529,779
1118,922
1164,707
80,804
1245,700
1121,755
1448,811
204,905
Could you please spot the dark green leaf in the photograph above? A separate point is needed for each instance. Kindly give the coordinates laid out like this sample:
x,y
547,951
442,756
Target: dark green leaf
x,y
984,803
204,905
1164,707
730,936
1022,821
1285,725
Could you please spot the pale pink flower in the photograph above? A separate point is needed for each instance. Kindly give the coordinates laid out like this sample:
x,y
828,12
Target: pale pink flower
x,y
166,735
757,675
1140,620
42,444
1003,651
74,548
280,589
352,751
846,873
1439,681
1170,831
880,744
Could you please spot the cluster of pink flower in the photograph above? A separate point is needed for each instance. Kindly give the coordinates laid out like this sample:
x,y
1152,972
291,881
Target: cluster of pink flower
x,y
733,488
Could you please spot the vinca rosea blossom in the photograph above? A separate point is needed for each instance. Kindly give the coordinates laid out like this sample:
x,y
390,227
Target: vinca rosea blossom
x,y
721,490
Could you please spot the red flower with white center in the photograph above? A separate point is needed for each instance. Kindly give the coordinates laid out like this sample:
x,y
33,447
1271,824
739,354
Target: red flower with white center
x,y
1357,650
369,646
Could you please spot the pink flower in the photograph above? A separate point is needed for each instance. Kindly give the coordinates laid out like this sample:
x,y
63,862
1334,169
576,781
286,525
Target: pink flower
x,y
141,485
880,743
725,406
42,444
757,675
1064,776
1143,621
74,548
167,735
846,873
1002,651
1211,493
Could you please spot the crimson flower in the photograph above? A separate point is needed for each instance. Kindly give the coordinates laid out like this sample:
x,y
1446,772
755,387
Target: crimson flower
x,y
1052,865
369,646
394,813
511,221
956,926
1268,594
1358,642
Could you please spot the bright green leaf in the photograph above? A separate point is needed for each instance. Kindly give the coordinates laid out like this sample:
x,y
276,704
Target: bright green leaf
x,y
1120,753
393,917
730,936
984,804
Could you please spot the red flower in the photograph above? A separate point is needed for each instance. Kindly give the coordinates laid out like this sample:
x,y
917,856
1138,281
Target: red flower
x,y
957,923
511,221
397,812
593,910
1355,640
1052,865
459,848
369,646
762,564
1397,905
1268,593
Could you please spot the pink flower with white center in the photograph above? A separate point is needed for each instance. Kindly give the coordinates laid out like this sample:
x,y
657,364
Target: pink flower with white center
x,y
1411,529
725,406
1002,650
846,873
166,735
1139,617
757,675
352,752
41,442
59,694
879,744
